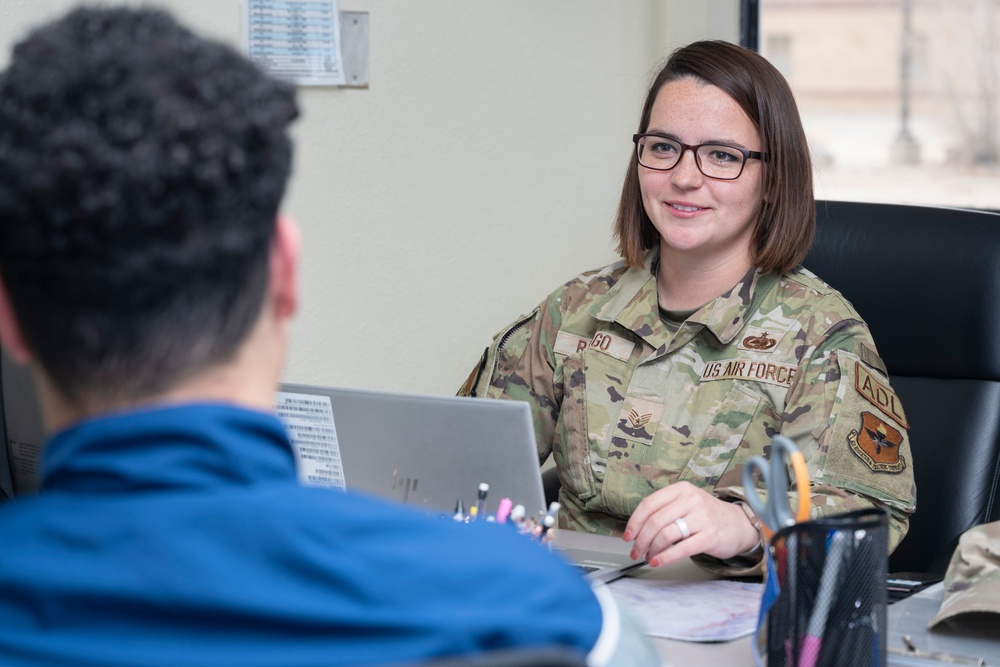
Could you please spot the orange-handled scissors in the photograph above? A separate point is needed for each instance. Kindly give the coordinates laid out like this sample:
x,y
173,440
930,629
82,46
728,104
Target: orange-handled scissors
x,y
776,513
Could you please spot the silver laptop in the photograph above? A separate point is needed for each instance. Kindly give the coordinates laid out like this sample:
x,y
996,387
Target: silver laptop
x,y
430,452
21,426
426,451
599,557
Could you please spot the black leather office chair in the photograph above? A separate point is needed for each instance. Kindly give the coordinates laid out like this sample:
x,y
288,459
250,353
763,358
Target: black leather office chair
x,y
540,656
927,281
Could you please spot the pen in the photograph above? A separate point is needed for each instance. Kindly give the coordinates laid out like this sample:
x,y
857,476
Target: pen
x,y
813,640
517,516
547,522
459,511
481,501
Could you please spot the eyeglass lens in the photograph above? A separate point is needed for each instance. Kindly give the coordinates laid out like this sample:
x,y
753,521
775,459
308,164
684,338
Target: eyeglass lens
x,y
715,161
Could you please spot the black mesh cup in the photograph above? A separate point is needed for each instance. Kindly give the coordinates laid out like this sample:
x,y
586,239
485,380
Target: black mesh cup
x,y
831,608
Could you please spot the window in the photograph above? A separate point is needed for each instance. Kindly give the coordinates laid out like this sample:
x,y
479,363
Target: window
x,y
779,51
900,98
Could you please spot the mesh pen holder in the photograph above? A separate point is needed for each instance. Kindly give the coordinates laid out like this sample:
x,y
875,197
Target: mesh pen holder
x,y
830,608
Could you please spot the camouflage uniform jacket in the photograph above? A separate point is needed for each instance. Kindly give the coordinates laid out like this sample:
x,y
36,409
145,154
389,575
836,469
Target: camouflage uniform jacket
x,y
626,406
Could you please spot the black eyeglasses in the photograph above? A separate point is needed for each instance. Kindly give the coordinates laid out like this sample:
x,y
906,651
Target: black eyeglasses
x,y
718,161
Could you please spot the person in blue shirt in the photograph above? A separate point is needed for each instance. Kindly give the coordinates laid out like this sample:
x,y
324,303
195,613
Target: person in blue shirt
x,y
147,277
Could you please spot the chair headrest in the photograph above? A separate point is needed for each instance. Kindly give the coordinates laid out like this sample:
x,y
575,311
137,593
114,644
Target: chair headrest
x,y
925,279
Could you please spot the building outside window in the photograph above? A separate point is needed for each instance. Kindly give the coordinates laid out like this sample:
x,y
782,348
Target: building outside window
x,y
900,98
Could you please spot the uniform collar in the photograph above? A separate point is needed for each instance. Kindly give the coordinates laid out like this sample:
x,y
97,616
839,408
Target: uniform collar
x,y
633,303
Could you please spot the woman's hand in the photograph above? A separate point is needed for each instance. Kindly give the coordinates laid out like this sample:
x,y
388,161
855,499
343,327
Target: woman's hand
x,y
712,526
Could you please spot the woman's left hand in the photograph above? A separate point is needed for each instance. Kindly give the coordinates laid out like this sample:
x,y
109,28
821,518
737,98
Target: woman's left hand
x,y
681,520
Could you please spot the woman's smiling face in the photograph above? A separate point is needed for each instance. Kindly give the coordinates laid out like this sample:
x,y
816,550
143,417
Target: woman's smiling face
x,y
695,215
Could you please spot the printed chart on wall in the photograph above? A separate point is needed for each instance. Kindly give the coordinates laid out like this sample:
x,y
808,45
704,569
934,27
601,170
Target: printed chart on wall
x,y
298,41
309,420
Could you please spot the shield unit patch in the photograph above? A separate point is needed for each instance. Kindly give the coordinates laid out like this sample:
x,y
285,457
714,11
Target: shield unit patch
x,y
877,444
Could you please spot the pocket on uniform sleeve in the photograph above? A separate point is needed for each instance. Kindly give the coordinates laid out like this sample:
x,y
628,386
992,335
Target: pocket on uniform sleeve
x,y
869,448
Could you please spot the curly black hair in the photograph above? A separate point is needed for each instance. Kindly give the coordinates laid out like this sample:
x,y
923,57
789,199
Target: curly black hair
x,y
141,170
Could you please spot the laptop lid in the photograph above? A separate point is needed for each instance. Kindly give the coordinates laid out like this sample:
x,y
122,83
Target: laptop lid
x,y
431,451
422,450
21,425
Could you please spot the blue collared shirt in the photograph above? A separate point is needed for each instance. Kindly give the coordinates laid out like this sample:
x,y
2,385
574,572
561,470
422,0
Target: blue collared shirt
x,y
180,535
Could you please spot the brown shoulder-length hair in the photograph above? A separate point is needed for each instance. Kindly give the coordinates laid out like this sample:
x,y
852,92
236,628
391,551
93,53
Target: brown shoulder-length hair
x,y
785,223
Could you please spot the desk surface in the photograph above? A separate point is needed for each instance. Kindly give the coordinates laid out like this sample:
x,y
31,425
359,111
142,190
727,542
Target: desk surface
x,y
975,637
680,653
676,653
972,637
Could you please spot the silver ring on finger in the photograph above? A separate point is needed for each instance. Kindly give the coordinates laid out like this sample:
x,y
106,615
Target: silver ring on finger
x,y
683,526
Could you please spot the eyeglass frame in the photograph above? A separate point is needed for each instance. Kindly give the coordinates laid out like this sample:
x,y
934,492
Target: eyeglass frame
x,y
747,154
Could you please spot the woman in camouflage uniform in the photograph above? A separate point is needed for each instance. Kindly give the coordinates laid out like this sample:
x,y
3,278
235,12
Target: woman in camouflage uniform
x,y
654,379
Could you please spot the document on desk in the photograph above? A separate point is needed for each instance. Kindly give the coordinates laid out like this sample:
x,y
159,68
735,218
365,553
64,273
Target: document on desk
x,y
695,611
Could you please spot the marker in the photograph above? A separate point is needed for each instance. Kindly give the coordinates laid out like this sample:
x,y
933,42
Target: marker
x,y
813,641
503,510
481,502
517,516
547,522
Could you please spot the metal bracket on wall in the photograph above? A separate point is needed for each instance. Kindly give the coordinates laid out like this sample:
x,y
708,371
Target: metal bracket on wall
x,y
354,44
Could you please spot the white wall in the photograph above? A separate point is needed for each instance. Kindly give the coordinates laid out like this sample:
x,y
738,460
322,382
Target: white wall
x,y
512,123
